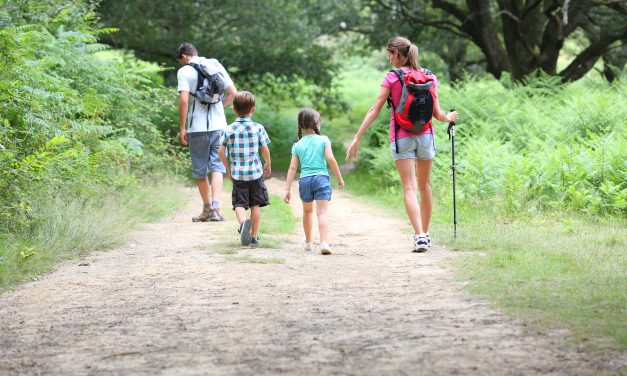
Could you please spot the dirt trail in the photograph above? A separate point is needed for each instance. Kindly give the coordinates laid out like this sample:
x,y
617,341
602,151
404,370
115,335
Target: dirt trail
x,y
167,303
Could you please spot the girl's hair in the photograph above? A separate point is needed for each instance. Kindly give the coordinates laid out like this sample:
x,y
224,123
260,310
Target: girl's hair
x,y
308,118
406,49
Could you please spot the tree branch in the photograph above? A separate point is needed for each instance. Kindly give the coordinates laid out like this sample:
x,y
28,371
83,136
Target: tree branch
x,y
586,59
439,24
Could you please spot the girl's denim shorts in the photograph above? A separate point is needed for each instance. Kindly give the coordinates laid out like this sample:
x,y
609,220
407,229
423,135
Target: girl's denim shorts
x,y
315,187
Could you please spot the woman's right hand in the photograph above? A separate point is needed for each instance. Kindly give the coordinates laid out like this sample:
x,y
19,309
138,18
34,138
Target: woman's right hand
x,y
352,149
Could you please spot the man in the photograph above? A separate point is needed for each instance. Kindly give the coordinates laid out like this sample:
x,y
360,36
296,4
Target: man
x,y
201,127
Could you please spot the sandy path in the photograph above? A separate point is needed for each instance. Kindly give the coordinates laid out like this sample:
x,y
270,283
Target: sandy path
x,y
168,303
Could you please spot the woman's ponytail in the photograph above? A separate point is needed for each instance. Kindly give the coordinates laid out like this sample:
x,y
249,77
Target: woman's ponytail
x,y
406,49
412,57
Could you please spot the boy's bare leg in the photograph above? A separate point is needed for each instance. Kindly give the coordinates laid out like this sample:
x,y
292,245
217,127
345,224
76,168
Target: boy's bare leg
x,y
308,208
204,188
255,216
323,223
240,213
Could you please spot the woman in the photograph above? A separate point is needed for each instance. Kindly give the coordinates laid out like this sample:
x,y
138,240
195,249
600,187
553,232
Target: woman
x,y
413,157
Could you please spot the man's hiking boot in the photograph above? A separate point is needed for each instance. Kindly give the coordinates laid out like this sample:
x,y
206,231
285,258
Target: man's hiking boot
x,y
420,243
204,216
255,241
325,249
244,231
216,216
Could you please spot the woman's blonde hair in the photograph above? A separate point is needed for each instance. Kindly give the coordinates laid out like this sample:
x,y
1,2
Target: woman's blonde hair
x,y
405,49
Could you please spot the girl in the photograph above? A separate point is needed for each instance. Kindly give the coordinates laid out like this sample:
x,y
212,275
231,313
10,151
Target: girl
x,y
415,150
313,151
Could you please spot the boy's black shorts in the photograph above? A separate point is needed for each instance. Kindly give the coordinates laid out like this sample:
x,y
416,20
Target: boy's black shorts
x,y
249,193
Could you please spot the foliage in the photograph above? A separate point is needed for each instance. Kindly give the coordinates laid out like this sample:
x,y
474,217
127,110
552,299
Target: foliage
x,y
268,47
75,120
519,37
527,147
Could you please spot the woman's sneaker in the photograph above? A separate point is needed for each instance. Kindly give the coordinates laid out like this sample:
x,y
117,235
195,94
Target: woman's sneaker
x,y
428,239
420,243
307,246
244,231
325,249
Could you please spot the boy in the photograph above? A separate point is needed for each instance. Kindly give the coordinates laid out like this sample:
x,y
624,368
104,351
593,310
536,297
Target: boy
x,y
244,139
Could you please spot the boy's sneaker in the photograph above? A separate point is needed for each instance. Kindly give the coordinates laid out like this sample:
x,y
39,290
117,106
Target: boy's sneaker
x,y
325,249
428,240
216,216
204,216
244,231
255,241
420,243
307,246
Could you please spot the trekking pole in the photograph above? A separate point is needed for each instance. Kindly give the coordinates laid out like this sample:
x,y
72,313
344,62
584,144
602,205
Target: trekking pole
x,y
451,136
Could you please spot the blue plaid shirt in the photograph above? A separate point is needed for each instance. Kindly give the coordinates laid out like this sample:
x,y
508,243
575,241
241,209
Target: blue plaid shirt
x,y
242,140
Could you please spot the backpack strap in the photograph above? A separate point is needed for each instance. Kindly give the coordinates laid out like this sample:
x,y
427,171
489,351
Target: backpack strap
x,y
200,75
427,72
401,77
199,83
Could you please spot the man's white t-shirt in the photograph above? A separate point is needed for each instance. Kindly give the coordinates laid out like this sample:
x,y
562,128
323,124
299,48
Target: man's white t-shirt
x,y
197,115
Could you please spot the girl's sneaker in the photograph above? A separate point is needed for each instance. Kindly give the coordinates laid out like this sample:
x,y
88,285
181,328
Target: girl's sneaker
x,y
255,241
307,246
325,249
420,243
428,239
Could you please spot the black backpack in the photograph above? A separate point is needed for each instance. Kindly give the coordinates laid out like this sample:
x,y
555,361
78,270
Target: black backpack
x,y
210,89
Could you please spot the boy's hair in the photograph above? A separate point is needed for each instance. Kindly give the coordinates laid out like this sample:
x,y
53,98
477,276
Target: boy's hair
x,y
243,103
186,49
308,118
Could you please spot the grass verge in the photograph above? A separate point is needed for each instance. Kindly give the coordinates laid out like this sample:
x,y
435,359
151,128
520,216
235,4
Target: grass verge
x,y
68,227
559,270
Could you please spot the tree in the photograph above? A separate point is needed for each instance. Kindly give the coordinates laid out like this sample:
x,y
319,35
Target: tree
x,y
275,42
518,36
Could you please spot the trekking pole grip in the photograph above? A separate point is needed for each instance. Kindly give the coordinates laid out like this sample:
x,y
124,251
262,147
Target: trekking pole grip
x,y
451,128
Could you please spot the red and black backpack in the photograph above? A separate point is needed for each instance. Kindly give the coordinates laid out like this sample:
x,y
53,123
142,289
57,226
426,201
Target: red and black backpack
x,y
415,109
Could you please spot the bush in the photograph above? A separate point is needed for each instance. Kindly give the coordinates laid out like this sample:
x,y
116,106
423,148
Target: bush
x,y
528,146
74,118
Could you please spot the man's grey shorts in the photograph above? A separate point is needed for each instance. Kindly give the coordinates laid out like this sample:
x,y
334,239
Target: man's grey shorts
x,y
203,147
421,146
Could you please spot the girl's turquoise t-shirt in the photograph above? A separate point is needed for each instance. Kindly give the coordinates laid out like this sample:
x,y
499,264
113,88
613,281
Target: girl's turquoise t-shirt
x,y
310,153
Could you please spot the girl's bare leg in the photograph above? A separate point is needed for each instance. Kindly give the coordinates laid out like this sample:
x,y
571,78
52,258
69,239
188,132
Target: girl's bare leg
x,y
308,208
322,207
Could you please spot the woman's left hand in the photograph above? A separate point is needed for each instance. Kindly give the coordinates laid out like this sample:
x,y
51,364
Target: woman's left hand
x,y
451,116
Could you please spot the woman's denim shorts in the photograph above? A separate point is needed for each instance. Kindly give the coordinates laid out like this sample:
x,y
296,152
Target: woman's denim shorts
x,y
421,146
